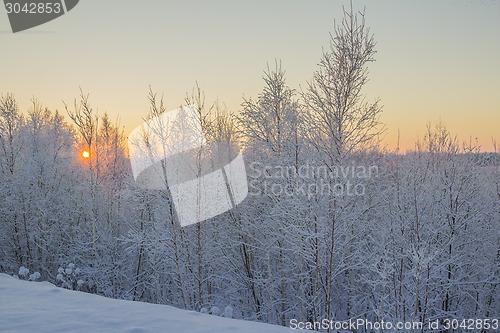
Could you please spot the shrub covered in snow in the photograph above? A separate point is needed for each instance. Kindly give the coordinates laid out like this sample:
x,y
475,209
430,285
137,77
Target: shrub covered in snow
x,y
228,312
35,276
215,311
24,274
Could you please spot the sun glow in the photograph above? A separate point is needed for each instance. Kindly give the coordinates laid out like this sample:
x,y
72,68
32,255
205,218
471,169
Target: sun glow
x,y
85,154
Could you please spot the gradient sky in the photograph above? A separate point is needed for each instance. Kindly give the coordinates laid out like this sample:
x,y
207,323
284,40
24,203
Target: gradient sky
x,y
436,60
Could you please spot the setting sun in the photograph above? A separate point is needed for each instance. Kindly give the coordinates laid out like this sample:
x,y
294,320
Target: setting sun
x,y
85,154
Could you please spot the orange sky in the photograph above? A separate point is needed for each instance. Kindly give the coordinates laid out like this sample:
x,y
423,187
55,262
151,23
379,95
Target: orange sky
x,y
436,60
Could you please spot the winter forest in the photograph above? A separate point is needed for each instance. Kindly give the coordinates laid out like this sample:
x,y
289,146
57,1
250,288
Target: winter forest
x,y
334,225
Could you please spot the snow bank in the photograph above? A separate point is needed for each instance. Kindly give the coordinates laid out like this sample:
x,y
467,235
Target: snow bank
x,y
42,307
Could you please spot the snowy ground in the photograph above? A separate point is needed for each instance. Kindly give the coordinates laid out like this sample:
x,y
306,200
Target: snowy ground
x,y
42,307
